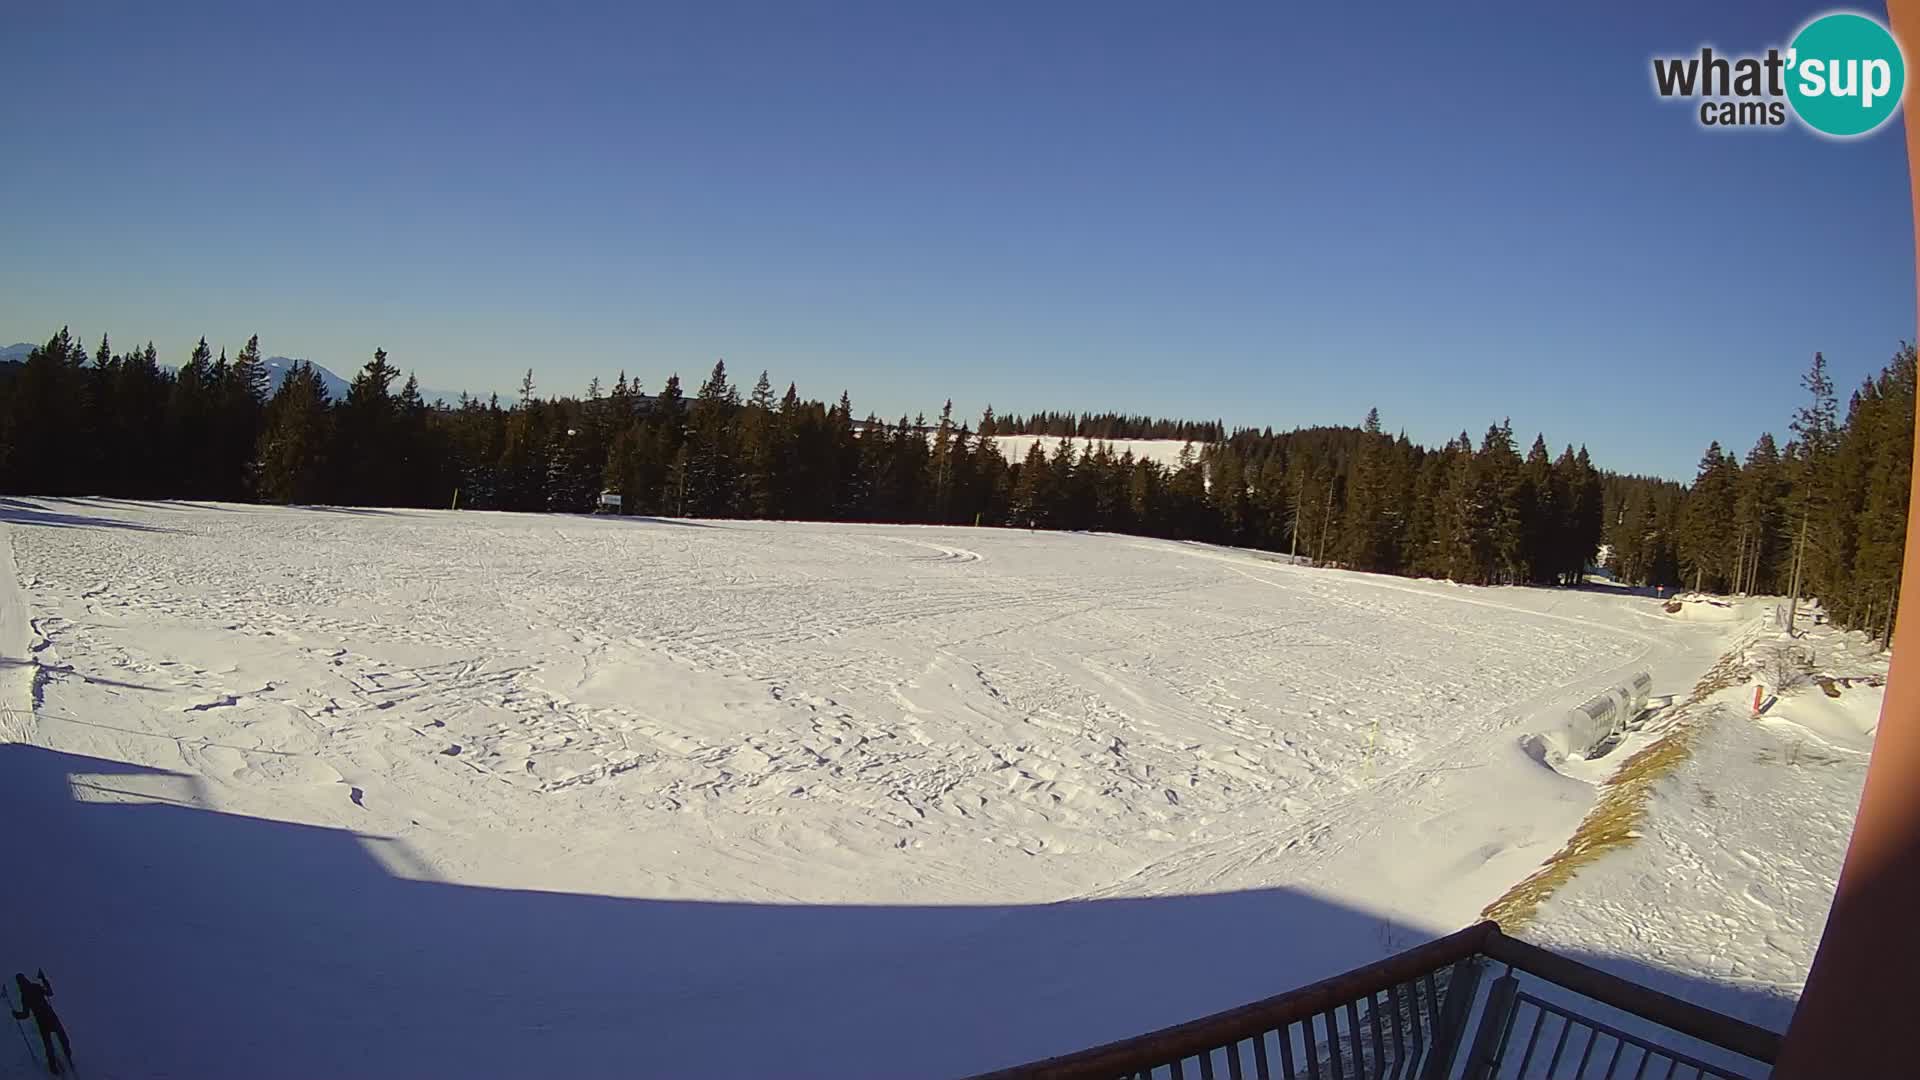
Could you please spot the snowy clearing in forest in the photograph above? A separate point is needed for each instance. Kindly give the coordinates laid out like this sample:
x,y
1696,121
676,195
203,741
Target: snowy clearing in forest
x,y
403,792
1163,451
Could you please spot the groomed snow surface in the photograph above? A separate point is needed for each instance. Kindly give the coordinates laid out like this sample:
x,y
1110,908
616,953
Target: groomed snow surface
x,y
350,792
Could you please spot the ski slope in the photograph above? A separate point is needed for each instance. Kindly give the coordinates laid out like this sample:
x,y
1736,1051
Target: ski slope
x,y
318,791
1164,451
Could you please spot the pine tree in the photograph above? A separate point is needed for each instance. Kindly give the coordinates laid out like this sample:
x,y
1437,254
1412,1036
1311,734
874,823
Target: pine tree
x,y
1760,516
1227,493
940,467
292,461
191,412
1493,517
519,477
761,482
243,408
1540,505
1885,432
1368,540
366,423
1032,493
1706,551
44,411
990,473
712,461
1187,510
568,487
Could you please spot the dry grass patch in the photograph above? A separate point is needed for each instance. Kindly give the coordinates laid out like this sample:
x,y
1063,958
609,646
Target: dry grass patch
x,y
1615,821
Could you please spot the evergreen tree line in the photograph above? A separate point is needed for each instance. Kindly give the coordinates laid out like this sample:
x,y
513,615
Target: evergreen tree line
x,y
116,424
1104,426
120,424
1829,507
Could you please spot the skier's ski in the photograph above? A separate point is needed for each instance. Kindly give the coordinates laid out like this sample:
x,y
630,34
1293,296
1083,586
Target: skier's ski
x,y
20,1025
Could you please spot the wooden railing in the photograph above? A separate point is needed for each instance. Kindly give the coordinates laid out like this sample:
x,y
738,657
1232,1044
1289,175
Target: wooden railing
x,y
1408,1017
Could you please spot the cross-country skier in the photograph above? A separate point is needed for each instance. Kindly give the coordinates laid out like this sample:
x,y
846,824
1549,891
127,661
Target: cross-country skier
x,y
34,1002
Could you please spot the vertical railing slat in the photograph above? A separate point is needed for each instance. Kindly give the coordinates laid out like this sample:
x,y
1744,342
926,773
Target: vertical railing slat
x,y
1593,1039
1379,1037
1311,1052
1463,984
1356,1038
1333,1043
1394,1020
1419,1031
1533,1040
1512,1008
1619,1046
1559,1046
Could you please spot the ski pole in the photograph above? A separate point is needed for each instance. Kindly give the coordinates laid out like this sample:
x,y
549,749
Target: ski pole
x,y
20,1027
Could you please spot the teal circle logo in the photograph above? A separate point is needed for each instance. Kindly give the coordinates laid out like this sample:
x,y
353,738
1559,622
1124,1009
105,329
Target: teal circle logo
x,y
1845,74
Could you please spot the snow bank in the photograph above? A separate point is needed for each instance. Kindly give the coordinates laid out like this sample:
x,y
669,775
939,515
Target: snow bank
x,y
1722,899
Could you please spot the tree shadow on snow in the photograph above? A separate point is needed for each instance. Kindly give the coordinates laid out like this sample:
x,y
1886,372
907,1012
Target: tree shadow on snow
x,y
359,511
38,512
191,942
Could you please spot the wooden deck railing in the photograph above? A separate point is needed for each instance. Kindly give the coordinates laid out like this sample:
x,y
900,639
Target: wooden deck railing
x,y
1409,1016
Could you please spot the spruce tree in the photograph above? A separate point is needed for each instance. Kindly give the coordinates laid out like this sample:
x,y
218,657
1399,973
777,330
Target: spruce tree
x,y
712,460
1031,489
191,410
1493,519
1761,518
760,434
295,440
1367,541
366,423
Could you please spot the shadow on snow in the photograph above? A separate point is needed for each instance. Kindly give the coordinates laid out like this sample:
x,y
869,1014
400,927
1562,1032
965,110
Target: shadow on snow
x,y
37,512
192,942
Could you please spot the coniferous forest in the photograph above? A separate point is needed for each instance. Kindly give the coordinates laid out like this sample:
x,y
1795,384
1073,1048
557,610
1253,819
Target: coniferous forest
x,y
1833,495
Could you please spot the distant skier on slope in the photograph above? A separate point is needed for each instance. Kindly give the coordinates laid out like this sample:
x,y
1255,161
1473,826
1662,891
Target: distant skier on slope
x,y
34,1002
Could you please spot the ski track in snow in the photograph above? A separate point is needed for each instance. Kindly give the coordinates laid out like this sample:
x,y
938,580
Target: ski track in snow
x,y
968,723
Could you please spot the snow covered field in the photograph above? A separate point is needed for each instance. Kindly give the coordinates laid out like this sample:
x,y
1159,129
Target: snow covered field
x,y
305,791
1164,451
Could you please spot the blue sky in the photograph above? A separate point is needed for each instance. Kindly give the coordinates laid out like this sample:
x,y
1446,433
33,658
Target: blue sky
x,y
1268,215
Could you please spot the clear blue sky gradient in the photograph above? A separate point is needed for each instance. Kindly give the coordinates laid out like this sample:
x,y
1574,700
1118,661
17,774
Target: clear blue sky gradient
x,y
1254,212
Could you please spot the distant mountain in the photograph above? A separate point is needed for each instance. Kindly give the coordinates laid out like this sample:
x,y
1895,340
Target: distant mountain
x,y
278,366
450,398
16,352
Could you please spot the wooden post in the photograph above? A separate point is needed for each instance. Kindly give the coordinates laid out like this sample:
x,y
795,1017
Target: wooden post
x,y
1859,992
